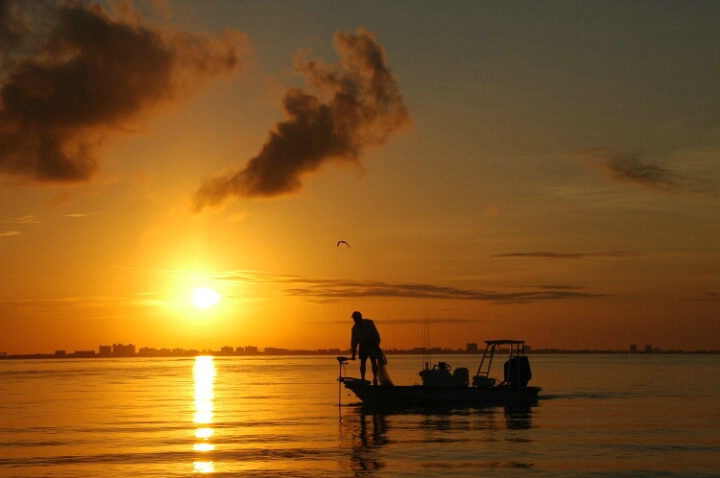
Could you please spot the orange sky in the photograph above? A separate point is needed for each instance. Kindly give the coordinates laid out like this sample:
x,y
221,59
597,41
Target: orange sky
x,y
547,172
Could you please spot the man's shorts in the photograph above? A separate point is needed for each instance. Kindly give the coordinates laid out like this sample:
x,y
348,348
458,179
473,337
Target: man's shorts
x,y
366,352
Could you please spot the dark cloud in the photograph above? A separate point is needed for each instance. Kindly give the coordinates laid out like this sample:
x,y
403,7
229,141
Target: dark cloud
x,y
335,289
72,74
327,290
709,296
12,30
635,168
406,321
557,255
355,103
631,167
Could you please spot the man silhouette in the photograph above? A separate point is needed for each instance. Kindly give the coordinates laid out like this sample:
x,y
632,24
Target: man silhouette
x,y
366,338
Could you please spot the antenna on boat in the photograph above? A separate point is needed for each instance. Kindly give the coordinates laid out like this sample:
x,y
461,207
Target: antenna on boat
x,y
341,361
425,341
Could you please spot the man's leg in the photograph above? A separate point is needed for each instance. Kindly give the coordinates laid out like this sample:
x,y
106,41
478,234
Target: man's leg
x,y
374,366
363,361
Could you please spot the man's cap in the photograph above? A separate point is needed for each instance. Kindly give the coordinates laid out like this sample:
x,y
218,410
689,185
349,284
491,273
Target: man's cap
x,y
356,315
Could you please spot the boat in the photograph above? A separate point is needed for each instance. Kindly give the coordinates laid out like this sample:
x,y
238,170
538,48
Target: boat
x,y
441,385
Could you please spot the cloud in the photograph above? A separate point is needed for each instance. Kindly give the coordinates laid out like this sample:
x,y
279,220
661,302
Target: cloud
x,y
326,290
72,74
633,167
12,29
29,219
74,307
334,289
83,214
356,103
556,255
9,233
406,321
709,296
630,167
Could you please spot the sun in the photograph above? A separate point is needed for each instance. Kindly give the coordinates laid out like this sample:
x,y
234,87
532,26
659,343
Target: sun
x,y
204,297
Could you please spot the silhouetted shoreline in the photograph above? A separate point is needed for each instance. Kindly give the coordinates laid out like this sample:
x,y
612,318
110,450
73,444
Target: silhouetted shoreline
x,y
272,351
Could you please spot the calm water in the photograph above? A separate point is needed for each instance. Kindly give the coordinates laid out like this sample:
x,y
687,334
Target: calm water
x,y
599,415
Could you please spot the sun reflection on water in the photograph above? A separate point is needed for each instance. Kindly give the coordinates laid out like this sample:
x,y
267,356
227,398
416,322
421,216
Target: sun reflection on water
x,y
204,373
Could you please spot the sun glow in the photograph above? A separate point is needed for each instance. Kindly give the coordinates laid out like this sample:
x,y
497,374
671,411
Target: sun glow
x,y
204,297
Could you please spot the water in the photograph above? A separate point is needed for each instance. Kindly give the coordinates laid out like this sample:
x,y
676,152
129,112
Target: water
x,y
599,415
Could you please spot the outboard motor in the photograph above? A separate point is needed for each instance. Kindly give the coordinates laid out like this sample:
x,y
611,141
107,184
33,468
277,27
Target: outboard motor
x,y
517,371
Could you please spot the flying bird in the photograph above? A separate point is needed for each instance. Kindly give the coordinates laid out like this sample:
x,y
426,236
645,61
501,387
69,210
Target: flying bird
x,y
342,242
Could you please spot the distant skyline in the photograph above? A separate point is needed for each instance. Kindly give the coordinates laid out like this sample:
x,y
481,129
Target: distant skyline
x,y
250,350
546,171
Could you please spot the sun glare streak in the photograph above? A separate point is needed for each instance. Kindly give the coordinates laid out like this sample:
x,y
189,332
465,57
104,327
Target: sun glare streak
x,y
203,447
204,467
204,373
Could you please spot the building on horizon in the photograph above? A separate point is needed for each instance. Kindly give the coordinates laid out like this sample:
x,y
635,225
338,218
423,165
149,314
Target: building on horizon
x,y
153,352
120,350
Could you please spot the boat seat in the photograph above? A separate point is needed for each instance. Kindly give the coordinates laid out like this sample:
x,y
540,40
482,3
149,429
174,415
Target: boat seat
x,y
483,382
437,378
461,376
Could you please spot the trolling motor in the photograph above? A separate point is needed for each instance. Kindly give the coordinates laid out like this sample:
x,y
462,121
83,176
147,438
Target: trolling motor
x,y
342,361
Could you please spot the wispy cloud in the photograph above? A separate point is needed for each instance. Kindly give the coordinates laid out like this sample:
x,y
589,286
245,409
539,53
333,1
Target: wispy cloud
x,y
356,103
709,297
631,167
36,219
84,302
338,289
325,290
28,219
565,255
83,214
636,168
407,321
73,73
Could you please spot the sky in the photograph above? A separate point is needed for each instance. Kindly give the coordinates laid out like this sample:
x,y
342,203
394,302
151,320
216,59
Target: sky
x,y
542,171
